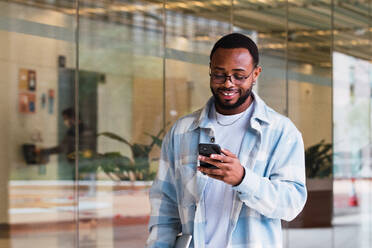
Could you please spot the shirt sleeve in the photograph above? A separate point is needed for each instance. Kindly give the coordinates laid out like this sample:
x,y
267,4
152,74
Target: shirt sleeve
x,y
283,194
164,222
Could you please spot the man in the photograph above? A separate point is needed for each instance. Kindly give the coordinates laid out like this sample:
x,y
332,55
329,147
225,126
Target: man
x,y
261,174
67,145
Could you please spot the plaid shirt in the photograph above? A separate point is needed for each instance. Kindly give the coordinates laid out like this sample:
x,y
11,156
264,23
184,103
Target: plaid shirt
x,y
273,188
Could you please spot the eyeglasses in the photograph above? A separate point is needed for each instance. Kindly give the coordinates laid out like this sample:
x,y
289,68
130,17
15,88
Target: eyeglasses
x,y
234,78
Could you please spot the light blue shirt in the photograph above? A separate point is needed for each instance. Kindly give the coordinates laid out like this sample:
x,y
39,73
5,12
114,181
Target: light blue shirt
x,y
273,188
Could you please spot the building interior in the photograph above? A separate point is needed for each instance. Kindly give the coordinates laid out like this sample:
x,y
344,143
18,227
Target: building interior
x,y
130,68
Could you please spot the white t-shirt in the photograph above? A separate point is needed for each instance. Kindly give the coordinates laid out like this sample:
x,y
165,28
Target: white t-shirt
x,y
218,196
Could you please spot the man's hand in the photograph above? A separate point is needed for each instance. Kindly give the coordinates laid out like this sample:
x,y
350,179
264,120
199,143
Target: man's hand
x,y
230,170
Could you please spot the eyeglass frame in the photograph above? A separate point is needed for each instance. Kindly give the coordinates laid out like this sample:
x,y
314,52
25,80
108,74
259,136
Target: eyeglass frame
x,y
231,77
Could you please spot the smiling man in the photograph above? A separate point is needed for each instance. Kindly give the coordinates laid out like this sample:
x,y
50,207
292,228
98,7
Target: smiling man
x,y
257,180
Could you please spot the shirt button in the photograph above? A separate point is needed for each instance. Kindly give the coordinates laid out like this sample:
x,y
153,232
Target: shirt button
x,y
212,139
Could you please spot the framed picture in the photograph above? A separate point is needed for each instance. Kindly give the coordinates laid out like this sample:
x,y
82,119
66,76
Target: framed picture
x,y
23,80
27,102
31,80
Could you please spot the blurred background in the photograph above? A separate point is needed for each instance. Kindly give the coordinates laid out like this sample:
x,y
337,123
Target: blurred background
x,y
89,87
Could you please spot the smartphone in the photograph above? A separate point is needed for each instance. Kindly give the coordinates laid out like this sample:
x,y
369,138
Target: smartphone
x,y
206,150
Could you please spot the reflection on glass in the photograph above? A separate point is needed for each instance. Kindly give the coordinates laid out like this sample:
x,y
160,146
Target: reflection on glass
x,y
121,54
309,106
141,68
268,28
35,195
191,30
352,123
351,108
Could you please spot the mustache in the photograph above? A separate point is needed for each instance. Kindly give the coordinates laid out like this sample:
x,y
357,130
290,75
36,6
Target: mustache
x,y
227,89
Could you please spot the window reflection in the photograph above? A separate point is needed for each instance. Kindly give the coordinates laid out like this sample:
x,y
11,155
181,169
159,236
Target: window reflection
x,y
142,65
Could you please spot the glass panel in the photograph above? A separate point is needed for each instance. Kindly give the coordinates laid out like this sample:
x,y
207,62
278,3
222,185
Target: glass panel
x,y
37,188
310,108
352,123
192,28
120,100
268,28
131,88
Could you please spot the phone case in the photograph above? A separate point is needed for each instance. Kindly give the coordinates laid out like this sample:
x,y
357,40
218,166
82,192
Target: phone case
x,y
206,150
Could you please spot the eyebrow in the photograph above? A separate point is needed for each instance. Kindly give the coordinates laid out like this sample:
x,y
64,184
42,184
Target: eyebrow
x,y
220,68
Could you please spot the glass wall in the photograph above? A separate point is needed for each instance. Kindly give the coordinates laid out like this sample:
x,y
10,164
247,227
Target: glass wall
x,y
90,87
351,109
37,190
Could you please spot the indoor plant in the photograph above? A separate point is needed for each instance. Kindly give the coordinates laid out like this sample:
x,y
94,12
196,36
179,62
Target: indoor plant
x,y
117,166
318,160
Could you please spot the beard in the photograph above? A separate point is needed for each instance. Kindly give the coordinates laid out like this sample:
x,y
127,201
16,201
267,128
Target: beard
x,y
240,101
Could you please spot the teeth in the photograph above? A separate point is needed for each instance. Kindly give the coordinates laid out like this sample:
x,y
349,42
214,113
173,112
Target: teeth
x,y
228,94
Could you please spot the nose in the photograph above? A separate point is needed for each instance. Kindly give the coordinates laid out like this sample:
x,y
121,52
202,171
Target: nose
x,y
228,82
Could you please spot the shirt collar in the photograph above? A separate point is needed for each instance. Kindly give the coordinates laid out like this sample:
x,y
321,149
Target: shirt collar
x,y
259,113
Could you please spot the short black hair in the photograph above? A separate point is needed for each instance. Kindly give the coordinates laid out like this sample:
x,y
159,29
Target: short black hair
x,y
237,40
69,112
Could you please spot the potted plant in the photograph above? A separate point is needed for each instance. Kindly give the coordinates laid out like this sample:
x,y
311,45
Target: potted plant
x,y
318,209
119,167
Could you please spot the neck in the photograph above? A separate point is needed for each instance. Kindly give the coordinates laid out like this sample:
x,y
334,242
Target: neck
x,y
243,107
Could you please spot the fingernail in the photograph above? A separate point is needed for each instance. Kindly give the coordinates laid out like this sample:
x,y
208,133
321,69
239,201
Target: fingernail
x,y
213,156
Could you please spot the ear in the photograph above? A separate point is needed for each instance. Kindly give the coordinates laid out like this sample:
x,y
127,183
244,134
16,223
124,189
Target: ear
x,y
257,73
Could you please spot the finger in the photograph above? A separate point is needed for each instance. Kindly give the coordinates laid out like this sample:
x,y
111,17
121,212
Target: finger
x,y
210,171
228,153
222,158
210,161
216,177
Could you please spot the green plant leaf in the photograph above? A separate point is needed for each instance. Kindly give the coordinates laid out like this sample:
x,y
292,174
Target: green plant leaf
x,y
117,166
140,150
318,160
124,164
142,163
112,155
155,140
88,166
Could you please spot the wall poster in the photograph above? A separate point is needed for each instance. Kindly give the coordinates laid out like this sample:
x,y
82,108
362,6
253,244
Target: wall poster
x,y
27,86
